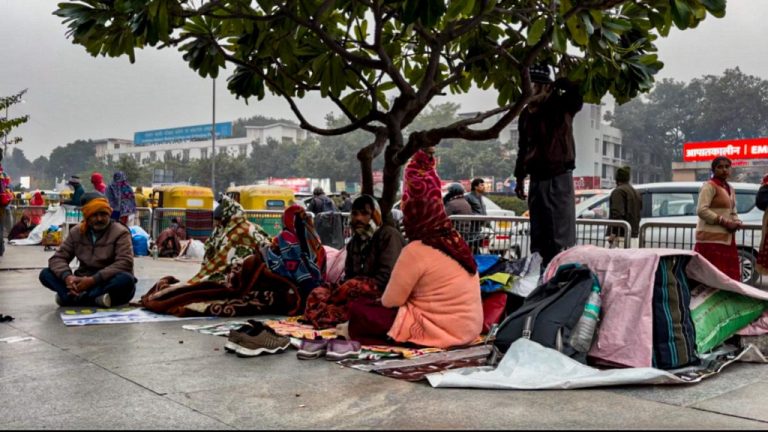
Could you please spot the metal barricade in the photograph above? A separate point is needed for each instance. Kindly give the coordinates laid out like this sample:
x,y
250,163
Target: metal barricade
x,y
143,218
682,235
511,236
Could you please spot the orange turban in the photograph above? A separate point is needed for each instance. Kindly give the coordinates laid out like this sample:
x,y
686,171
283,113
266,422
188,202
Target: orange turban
x,y
93,206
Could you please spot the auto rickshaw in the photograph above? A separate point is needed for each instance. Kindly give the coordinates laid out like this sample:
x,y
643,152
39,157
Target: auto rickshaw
x,y
257,198
262,197
191,205
184,197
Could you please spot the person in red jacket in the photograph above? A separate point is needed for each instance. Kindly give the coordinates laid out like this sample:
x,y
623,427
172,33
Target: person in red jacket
x,y
98,182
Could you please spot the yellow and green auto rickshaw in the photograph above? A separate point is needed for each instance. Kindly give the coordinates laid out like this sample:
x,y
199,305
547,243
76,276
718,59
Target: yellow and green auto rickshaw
x,y
183,197
192,205
255,199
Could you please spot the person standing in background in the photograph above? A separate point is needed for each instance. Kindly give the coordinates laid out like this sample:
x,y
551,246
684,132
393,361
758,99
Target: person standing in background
x,y
547,153
121,198
626,205
74,183
718,220
97,180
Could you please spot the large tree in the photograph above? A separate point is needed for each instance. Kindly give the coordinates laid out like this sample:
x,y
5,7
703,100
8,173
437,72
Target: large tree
x,y
8,123
383,61
713,107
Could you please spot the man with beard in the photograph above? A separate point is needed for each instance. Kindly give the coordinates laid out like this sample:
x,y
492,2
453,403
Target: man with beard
x,y
105,252
371,255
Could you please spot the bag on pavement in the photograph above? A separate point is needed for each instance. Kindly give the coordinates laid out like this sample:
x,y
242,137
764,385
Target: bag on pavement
x,y
551,311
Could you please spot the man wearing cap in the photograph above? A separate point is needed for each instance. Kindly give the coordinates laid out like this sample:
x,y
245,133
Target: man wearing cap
x,y
625,204
547,153
105,252
74,183
320,202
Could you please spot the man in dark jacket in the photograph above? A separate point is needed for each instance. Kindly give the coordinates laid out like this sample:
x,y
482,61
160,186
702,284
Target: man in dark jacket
x,y
475,196
77,195
546,152
346,202
374,248
320,202
104,249
625,204
455,202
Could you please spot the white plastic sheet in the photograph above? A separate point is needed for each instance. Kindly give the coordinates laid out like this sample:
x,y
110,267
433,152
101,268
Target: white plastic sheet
x,y
528,365
54,215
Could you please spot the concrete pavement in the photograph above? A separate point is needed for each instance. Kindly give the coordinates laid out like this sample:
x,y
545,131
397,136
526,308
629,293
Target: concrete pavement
x,y
159,376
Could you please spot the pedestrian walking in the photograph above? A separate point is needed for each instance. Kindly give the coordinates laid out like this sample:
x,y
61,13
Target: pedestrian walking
x,y
761,201
121,198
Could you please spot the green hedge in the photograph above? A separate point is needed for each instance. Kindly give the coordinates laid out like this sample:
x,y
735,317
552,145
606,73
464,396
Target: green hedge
x,y
510,203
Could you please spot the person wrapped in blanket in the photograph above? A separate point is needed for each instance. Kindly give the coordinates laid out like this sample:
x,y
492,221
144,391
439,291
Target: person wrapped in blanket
x,y
371,255
433,296
297,252
234,278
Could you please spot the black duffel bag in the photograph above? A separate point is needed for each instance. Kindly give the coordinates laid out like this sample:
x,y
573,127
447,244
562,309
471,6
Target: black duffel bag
x,y
551,311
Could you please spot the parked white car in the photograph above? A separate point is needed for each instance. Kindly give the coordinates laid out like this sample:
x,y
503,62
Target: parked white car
x,y
676,202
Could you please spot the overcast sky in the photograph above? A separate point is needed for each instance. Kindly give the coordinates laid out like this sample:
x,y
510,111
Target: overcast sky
x,y
75,96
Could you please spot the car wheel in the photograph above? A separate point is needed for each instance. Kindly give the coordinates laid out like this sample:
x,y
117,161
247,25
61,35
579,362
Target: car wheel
x,y
747,262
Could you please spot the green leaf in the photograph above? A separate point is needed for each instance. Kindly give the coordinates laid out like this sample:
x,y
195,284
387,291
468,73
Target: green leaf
x,y
578,31
536,31
681,14
559,41
715,7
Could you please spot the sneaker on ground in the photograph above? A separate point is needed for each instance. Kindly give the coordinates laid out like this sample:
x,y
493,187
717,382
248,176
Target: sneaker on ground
x,y
103,300
312,348
259,340
235,336
340,349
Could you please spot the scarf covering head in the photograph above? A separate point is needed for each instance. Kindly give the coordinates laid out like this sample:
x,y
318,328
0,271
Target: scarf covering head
x,y
765,180
37,199
297,252
120,195
93,206
230,242
424,214
98,182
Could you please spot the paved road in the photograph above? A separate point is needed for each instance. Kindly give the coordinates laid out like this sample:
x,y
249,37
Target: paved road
x,y
159,376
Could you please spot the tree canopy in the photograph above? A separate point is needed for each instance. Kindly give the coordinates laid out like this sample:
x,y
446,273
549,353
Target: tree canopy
x,y
714,107
383,61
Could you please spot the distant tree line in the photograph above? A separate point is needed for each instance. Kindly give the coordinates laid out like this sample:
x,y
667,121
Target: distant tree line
x,y
321,157
733,105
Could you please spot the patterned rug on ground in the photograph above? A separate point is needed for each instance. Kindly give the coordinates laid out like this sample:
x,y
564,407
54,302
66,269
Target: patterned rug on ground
x,y
417,368
293,328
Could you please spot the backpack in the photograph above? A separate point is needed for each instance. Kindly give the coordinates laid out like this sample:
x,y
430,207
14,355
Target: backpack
x,y
551,311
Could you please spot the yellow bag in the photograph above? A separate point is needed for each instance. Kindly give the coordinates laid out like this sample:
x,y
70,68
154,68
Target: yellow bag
x,y
51,238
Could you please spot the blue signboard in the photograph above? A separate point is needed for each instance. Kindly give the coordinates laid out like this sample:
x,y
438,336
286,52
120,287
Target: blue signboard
x,y
185,133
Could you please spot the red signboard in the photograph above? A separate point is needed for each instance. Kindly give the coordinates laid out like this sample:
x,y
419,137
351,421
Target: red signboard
x,y
586,182
755,148
300,184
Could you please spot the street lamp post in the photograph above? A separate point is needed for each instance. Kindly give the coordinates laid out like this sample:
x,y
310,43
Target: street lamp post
x,y
213,141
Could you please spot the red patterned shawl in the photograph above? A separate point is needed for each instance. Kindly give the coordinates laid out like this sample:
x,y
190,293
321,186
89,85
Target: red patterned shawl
x,y
424,215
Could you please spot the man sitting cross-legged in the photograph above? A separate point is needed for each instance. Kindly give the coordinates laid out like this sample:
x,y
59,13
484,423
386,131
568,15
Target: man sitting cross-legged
x,y
104,249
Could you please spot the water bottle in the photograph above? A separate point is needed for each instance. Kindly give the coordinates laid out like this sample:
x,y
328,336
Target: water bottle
x,y
584,331
154,251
